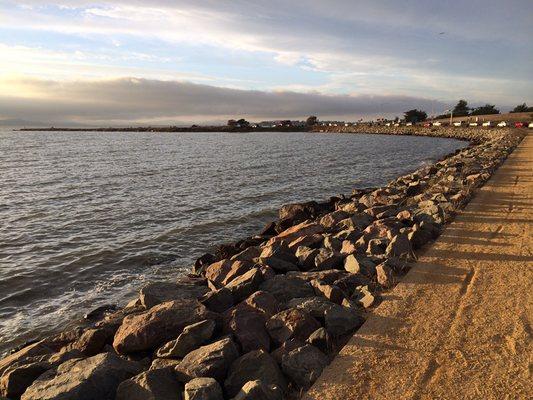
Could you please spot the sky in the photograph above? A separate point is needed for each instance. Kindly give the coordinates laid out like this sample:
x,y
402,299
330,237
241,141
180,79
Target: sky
x,y
157,62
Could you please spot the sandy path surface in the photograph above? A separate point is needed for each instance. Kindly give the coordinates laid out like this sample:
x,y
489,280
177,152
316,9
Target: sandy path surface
x,y
458,326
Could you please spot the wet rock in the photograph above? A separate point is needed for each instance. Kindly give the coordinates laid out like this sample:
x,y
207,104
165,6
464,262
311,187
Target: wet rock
x,y
246,284
100,312
247,324
158,325
321,340
291,323
399,246
203,389
255,365
301,211
340,321
356,264
218,300
95,377
286,288
203,262
306,257
327,259
385,276
160,292
264,302
157,384
330,292
211,361
192,337
304,365
257,390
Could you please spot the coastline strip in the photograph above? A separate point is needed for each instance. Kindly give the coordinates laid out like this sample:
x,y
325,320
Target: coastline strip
x,y
458,325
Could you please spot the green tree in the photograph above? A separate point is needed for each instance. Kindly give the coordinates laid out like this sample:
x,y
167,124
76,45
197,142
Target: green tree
x,y
461,109
485,110
522,108
415,116
312,120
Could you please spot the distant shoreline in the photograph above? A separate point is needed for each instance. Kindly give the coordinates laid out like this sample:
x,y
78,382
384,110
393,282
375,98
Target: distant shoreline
x,y
220,128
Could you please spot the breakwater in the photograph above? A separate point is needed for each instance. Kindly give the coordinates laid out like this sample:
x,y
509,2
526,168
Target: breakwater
x,y
267,313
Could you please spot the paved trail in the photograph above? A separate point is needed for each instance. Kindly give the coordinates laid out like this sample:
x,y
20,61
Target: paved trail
x,y
458,326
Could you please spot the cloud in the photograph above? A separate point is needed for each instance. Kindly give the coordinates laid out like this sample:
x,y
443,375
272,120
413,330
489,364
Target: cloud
x,y
128,100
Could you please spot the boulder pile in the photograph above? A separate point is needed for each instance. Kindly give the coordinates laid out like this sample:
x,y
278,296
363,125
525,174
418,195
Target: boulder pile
x,y
261,318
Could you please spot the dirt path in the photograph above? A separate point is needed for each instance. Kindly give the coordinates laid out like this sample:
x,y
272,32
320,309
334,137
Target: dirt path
x,y
458,326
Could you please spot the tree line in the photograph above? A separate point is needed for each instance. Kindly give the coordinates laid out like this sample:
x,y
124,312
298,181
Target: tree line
x,y
462,109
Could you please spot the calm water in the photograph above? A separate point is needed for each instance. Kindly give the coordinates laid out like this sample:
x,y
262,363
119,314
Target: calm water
x,y
86,218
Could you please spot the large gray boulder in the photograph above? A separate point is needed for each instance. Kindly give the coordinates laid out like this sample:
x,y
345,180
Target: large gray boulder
x,y
211,361
256,364
192,337
159,384
93,378
158,325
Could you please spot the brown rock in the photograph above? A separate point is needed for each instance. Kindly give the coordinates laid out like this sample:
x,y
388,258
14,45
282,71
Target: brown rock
x,y
330,292
218,300
399,247
95,377
203,389
192,337
306,257
159,384
327,259
284,288
158,325
311,241
385,275
291,323
218,271
246,284
247,324
356,264
264,302
304,365
160,292
212,360
251,366
257,390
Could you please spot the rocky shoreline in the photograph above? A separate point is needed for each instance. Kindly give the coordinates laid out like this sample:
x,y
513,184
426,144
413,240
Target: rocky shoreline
x,y
262,317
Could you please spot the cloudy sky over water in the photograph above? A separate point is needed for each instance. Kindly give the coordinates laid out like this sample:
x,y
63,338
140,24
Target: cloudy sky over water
x,y
172,61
